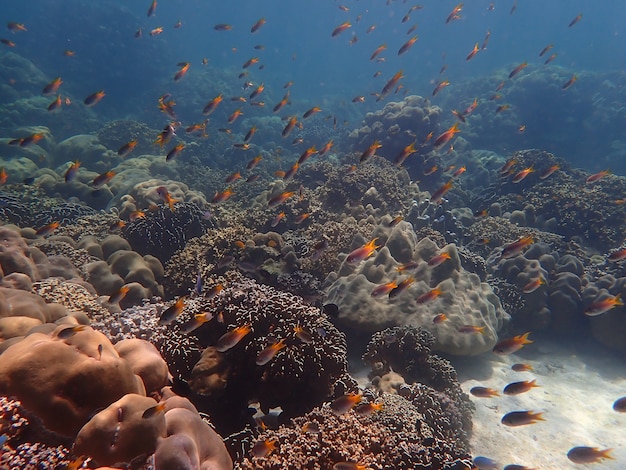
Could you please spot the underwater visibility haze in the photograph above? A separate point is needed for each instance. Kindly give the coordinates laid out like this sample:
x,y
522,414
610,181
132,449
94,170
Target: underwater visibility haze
x,y
360,234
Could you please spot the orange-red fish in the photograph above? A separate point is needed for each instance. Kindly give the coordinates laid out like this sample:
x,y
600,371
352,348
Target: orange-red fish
x,y
583,454
257,25
515,248
326,148
522,174
280,198
511,345
134,215
431,170
7,42
454,14
602,306
484,392
438,259
390,85
377,51
516,388
196,322
575,20
533,285
441,192
307,154
618,255
521,418
119,295
371,150
518,69
363,252
47,229
407,45
222,196
211,105
269,352
341,28
56,104
72,171
548,171
235,114
254,162
152,8
263,448
232,338
174,152
546,49
127,148
94,98
284,101
172,312
439,318
311,112
446,136
430,295
597,176
156,31
233,177
366,409
256,92
519,367
222,27
250,134
184,67
15,27
459,171
550,59
276,220
473,52
570,82
250,62
440,86
471,329
400,288
52,87
395,221
502,107
166,197
507,166
301,218
383,289
349,466
358,99
103,179
345,403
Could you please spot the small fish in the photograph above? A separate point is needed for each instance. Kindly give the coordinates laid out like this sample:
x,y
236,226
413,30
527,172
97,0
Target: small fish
x,y
371,150
405,153
232,338
256,92
103,179
154,411
473,52
383,289
570,82
363,252
515,248
276,220
212,105
439,318
617,255
269,352
516,388
550,59
94,98
127,148
184,67
119,295
502,107
521,418
391,84
575,20
620,405
533,285
400,288
395,221
250,62
597,176
222,196
366,409
459,171
430,295
56,104
345,403
377,51
171,313
291,123
518,467
485,463
407,45
438,259
471,329
441,192
152,8
256,26
511,345
166,197
47,229
584,454
174,152
484,392
454,14
440,86
602,306
263,448
118,225
519,367
222,27
340,29
518,69
134,215
546,49
233,177
311,112
349,466
311,428
30,140
72,171
446,136
15,27
52,87
549,171
301,218
302,334
234,115
283,102
196,322
71,331
326,148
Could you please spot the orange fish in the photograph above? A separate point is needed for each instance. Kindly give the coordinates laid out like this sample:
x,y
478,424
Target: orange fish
x,y
311,112
533,285
383,289
250,62
301,218
459,172
597,176
257,25
546,49
268,353
377,51
276,220
484,392
103,179
363,252
52,87
575,20
72,171
211,105
349,466
601,306
441,192
254,162
438,259
127,148
366,409
233,177
284,101
7,42
522,174
518,69
445,137
250,134
30,140
439,318
515,248
56,104
548,171
263,448
326,148
257,91
232,338
516,388
289,126
152,8
440,86
340,29
431,170
345,403
390,85
196,322
280,198
222,196
166,197
583,454
430,295
550,59
407,45
454,14
519,367
617,255
235,114
502,107
520,418
307,154
172,312
358,99
94,98
15,27
119,295
47,229
473,52
174,152
471,329
511,345
570,82
507,166
222,27
400,288
184,67
371,150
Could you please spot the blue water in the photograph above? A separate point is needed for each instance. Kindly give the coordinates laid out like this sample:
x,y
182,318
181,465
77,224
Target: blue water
x,y
327,71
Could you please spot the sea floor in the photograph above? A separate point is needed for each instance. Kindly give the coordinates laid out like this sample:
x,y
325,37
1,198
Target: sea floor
x,y
577,389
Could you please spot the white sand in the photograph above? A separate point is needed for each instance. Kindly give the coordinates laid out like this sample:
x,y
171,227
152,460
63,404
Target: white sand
x,y
576,395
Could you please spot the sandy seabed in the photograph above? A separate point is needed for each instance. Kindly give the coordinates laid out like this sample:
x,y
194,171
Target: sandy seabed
x,y
576,394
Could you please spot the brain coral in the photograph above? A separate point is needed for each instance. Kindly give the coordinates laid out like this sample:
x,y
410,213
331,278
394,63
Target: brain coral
x,y
465,300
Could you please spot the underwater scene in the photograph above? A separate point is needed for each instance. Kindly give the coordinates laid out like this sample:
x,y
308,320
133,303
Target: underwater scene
x,y
312,234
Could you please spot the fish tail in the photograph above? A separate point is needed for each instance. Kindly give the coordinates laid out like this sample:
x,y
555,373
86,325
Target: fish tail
x,y
524,338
